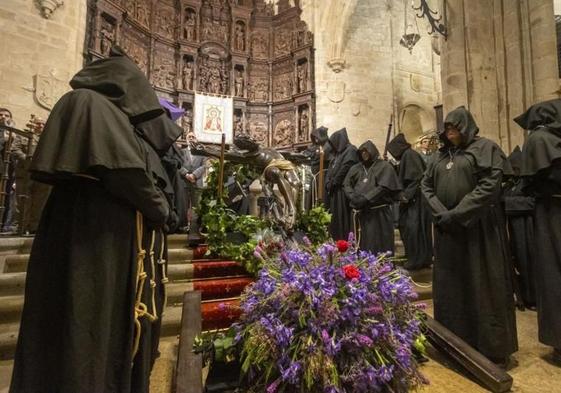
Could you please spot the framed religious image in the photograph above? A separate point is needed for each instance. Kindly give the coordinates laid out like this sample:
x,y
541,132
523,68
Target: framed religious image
x,y
213,116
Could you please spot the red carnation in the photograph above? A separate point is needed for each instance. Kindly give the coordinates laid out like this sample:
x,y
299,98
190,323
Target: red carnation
x,y
342,245
351,271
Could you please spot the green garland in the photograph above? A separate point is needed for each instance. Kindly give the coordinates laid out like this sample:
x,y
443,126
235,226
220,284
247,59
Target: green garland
x,y
314,223
220,223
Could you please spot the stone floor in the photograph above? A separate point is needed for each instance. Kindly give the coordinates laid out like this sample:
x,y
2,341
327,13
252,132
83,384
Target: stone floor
x,y
531,369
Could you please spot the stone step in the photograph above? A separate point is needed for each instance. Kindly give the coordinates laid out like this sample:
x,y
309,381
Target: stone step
x,y
12,284
8,339
18,262
15,245
11,306
217,314
23,243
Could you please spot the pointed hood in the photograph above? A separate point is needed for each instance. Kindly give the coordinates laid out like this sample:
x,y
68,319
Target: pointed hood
x,y
463,120
398,146
515,160
321,135
371,148
160,133
546,114
119,80
339,140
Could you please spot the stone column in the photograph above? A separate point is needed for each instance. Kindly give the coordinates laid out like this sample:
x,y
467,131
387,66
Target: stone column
x,y
544,49
499,58
453,58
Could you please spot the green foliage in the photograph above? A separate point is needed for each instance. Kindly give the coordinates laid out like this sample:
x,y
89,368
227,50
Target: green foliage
x,y
314,223
217,347
219,222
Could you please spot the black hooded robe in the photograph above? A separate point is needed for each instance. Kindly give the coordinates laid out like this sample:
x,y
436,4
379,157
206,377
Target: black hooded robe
x,y
541,166
519,210
173,162
83,297
415,224
344,157
472,287
319,139
372,187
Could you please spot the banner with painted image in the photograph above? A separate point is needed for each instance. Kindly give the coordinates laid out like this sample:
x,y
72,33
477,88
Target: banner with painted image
x,y
213,116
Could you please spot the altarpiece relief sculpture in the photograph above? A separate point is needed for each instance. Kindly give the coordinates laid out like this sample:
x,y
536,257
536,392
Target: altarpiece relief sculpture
x,y
219,47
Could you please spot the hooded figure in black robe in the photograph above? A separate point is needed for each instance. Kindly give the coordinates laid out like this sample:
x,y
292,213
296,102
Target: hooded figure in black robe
x,y
344,156
519,210
414,213
319,139
173,162
372,187
95,282
541,166
472,287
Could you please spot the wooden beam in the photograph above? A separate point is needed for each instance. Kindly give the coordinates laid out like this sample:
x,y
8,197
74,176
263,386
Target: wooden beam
x,y
189,365
486,372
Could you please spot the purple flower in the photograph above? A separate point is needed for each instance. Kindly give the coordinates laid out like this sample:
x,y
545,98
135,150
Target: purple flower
x,y
292,373
364,340
303,312
272,388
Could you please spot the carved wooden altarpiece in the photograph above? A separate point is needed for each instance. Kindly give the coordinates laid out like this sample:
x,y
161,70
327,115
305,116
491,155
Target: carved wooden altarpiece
x,y
238,48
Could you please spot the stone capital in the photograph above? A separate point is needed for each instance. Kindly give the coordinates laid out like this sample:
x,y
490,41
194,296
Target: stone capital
x,y
49,6
336,64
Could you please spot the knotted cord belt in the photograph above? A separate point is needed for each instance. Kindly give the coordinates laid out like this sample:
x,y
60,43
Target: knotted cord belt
x,y
356,222
162,263
140,308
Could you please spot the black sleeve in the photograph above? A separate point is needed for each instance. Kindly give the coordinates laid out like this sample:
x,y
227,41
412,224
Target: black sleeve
x,y
349,159
410,174
427,188
474,204
136,187
350,182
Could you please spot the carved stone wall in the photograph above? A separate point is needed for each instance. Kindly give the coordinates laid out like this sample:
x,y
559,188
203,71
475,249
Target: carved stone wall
x,y
39,56
363,75
238,48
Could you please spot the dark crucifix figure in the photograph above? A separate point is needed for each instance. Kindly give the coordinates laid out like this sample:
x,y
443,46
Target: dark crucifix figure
x,y
276,171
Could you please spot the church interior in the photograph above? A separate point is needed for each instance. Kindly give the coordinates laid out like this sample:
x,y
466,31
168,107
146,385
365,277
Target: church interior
x,y
258,106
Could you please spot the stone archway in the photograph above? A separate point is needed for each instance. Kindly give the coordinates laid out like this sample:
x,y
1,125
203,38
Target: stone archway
x,y
414,120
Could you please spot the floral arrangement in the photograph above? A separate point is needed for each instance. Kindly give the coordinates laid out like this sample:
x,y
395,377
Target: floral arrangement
x,y
219,222
330,319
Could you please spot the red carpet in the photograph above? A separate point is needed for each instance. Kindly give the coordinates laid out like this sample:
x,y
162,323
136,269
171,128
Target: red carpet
x,y
217,269
221,288
220,314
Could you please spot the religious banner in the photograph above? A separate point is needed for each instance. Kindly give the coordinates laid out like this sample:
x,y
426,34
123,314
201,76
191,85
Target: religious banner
x,y
214,116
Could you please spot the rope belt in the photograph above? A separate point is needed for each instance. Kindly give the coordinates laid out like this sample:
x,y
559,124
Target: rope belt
x,y
356,222
140,308
356,225
162,264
